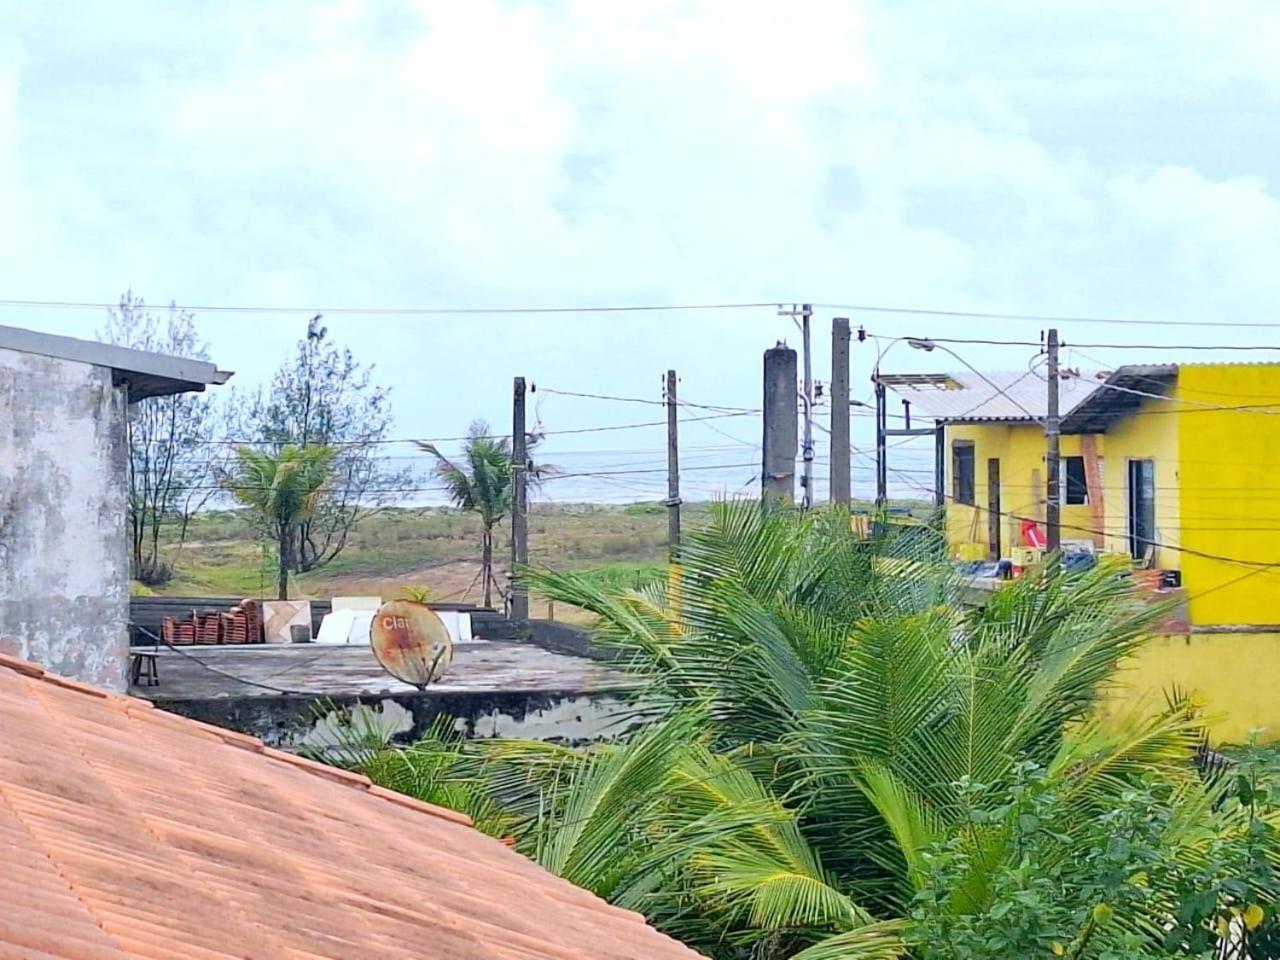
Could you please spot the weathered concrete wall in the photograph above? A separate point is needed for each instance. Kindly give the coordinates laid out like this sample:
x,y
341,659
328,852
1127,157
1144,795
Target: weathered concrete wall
x,y
64,583
297,722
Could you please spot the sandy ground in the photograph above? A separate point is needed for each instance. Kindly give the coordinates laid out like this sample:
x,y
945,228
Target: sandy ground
x,y
454,581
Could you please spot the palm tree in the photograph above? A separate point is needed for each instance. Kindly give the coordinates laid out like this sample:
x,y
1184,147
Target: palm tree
x,y
820,708
481,482
282,489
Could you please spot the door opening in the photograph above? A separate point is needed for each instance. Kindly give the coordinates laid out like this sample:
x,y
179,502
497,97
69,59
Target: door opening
x,y
994,514
1142,509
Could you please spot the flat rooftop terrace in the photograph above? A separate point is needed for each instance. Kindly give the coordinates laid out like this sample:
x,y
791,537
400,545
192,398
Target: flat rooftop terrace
x,y
314,670
292,695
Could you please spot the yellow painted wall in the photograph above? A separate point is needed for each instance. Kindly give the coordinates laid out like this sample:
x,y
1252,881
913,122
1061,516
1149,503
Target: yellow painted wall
x,y
1150,434
1230,479
1232,676
1217,478
1020,450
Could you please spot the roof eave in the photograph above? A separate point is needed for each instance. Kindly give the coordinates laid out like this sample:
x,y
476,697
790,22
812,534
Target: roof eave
x,y
145,373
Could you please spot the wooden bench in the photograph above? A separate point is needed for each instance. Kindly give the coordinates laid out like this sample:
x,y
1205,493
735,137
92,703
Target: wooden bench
x,y
144,664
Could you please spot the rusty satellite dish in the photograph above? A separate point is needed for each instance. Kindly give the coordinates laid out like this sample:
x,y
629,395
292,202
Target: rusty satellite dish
x,y
411,642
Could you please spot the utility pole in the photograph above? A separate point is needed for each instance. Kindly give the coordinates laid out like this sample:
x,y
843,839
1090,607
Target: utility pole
x,y
840,490
801,317
519,503
805,312
673,470
1052,459
778,469
882,447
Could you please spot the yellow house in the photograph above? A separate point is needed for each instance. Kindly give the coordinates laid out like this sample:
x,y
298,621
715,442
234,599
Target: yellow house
x,y
1175,465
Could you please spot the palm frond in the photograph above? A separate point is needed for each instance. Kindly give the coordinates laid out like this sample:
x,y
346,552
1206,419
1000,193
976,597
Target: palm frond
x,y
593,827
874,941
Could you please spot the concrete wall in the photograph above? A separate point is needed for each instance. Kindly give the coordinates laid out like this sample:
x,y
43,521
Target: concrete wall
x,y
1020,448
1230,676
64,582
297,722
1151,433
1229,477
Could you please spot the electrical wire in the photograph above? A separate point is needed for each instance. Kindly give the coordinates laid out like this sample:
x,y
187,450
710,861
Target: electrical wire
x,y
233,487
1002,391
718,408
158,641
1204,406
1066,344
488,436
1267,565
638,308
1036,318
395,311
1102,365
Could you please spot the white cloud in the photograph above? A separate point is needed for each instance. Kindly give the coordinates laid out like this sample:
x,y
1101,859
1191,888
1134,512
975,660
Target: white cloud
x,y
1058,157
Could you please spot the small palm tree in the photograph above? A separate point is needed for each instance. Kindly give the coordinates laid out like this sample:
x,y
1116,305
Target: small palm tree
x,y
820,709
481,481
282,489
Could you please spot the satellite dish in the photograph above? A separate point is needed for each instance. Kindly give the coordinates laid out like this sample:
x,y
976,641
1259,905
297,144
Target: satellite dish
x,y
411,642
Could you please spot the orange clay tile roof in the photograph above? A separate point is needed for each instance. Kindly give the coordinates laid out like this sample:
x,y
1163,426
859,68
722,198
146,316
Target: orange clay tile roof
x,y
128,832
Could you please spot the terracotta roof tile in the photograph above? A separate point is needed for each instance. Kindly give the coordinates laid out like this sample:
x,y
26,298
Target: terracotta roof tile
x,y
128,832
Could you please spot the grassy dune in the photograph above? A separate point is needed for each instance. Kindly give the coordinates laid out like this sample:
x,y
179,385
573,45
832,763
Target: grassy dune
x,y
438,548
433,547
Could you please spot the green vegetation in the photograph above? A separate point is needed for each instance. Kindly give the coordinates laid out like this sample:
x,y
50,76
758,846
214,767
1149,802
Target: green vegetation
x,y
436,547
480,482
282,491
616,577
226,554
846,763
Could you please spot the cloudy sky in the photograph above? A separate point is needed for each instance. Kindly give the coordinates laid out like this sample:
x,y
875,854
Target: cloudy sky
x,y
1066,158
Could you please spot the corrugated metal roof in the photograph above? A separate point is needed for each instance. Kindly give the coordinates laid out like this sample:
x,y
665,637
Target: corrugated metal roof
x,y
1003,395
1123,391
1089,401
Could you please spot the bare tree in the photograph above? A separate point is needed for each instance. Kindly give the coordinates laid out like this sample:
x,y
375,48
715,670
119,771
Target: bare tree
x,y
324,396
171,460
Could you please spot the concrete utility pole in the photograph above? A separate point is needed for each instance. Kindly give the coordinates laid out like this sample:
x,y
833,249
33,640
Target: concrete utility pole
x,y
1052,459
882,447
673,470
778,471
840,490
519,503
801,317
805,312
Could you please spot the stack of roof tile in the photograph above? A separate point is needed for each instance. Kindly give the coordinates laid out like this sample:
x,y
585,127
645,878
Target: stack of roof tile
x,y
129,832
208,628
252,610
178,632
242,624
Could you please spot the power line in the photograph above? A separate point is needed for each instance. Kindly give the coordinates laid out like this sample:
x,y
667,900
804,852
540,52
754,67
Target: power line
x,y
1259,408
719,408
393,311
633,308
223,673
1265,565
1037,318
487,436
1103,365
1067,344
233,487
1002,391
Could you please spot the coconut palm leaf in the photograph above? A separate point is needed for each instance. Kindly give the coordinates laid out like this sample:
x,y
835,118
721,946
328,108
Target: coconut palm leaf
x,y
874,941
593,833
824,703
